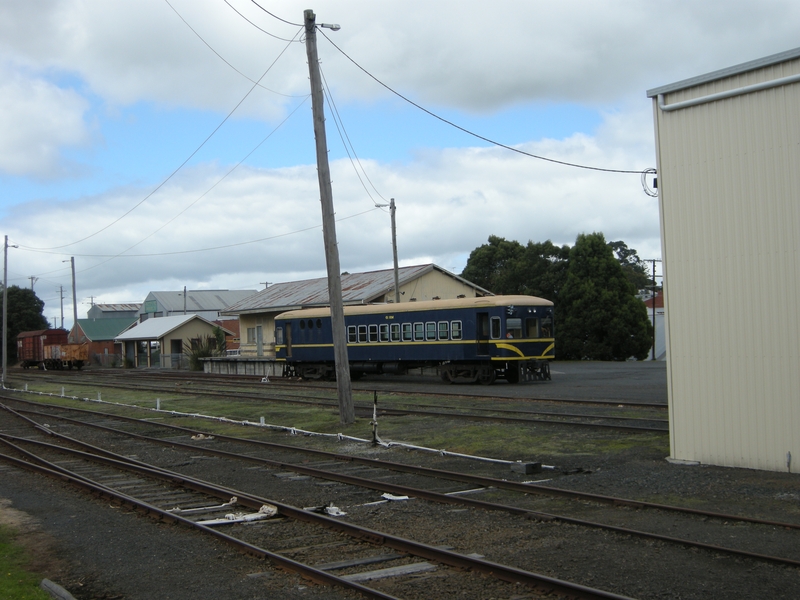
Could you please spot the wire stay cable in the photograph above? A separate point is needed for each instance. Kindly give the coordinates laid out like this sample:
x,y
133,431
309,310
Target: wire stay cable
x,y
472,133
171,175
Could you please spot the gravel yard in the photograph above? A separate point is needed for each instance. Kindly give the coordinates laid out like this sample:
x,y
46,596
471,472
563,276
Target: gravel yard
x,y
99,551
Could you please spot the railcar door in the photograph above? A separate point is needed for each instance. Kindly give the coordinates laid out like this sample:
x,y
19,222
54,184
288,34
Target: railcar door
x,y
482,333
288,339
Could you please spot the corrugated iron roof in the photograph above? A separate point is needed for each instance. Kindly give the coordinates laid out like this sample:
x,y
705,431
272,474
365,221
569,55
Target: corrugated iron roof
x,y
157,328
124,307
98,330
199,300
357,288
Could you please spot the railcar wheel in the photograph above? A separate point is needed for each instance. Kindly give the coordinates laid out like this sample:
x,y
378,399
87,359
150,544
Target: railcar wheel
x,y
445,376
486,376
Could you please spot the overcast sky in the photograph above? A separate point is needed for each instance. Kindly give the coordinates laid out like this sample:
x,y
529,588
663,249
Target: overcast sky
x,y
114,151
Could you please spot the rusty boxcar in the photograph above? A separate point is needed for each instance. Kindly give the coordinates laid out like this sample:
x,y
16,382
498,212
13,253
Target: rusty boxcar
x,y
49,349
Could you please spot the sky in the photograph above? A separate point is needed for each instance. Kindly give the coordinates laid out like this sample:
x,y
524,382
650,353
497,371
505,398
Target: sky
x,y
169,143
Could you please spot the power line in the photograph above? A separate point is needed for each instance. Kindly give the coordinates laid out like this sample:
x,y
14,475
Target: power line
x,y
337,119
276,16
194,31
259,28
197,250
472,133
171,175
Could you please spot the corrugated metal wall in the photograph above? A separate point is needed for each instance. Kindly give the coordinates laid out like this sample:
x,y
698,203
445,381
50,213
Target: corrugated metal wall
x,y
729,177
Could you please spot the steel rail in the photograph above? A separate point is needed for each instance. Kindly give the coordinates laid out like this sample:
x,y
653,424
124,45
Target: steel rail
x,y
448,499
424,412
453,559
45,467
503,484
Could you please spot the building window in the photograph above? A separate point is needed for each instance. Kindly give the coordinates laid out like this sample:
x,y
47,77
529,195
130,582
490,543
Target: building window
x,y
455,330
278,335
251,335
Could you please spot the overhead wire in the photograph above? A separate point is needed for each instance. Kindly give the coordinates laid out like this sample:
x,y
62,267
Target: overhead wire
x,y
472,133
208,249
348,144
256,26
200,37
171,175
276,16
204,194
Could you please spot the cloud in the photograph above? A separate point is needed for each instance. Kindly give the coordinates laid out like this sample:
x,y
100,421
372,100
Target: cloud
x,y
38,120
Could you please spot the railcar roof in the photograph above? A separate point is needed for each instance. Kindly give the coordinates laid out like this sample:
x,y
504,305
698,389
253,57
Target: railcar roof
x,y
368,309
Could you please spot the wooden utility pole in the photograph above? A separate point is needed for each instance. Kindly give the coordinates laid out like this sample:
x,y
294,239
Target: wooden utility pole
x,y
394,253
5,310
346,410
74,300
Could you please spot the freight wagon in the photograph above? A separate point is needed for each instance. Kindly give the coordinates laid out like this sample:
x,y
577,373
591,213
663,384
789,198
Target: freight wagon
x,y
49,349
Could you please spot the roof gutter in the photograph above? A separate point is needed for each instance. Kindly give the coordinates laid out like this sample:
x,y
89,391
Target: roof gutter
x,y
757,87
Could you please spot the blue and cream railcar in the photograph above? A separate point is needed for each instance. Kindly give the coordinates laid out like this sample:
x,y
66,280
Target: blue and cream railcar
x,y
467,339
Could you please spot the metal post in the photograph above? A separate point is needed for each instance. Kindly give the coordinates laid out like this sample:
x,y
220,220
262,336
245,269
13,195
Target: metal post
x,y
61,292
346,410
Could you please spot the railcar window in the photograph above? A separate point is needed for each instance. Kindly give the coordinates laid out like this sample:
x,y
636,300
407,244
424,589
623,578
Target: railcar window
x,y
302,324
352,337
444,330
547,327
455,330
430,330
278,336
419,331
373,333
384,332
532,327
407,332
362,334
514,328
319,323
495,330
395,332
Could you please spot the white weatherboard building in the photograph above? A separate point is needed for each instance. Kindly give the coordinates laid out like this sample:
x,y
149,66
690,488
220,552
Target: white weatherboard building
x,y
728,146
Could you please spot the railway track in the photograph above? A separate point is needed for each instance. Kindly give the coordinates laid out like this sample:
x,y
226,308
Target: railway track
x,y
395,404
606,513
269,528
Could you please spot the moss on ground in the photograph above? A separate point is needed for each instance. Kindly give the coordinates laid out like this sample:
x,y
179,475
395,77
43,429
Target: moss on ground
x,y
17,582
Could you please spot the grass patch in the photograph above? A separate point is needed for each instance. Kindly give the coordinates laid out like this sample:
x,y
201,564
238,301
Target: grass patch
x,y
16,582
508,441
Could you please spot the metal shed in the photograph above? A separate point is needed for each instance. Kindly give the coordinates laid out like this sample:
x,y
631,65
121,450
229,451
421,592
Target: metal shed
x,y
728,152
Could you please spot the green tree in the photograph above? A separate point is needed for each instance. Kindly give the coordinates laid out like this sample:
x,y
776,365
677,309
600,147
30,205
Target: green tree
x,y
600,317
25,312
635,268
542,269
494,266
